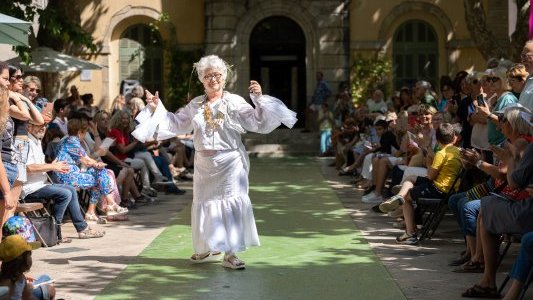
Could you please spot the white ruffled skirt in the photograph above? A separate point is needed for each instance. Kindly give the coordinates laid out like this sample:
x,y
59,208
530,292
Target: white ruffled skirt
x,y
221,214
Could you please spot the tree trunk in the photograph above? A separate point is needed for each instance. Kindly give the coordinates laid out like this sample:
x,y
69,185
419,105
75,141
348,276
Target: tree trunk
x,y
521,33
487,43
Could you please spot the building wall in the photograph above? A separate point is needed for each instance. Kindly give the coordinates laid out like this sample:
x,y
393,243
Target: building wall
x,y
333,37
374,22
107,20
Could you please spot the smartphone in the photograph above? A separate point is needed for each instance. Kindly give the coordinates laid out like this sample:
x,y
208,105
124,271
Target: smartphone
x,y
481,100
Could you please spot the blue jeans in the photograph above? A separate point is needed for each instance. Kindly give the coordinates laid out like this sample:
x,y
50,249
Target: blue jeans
x,y
465,211
469,214
325,140
41,292
524,260
65,197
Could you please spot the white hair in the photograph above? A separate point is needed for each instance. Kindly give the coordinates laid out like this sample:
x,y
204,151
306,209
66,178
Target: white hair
x,y
212,62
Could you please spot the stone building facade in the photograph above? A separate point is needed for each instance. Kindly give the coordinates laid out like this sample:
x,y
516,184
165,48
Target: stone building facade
x,y
283,43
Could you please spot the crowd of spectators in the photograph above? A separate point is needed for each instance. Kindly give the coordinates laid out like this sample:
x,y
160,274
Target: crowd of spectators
x,y
469,144
59,152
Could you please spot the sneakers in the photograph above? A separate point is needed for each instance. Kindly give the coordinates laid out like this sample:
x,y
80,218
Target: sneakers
x,y
372,197
407,239
396,189
393,203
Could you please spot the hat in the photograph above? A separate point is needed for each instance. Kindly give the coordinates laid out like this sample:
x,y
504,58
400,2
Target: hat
x,y
14,246
512,105
19,225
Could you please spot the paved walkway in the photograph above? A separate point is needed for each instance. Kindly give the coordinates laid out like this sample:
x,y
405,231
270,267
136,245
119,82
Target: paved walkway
x,y
311,249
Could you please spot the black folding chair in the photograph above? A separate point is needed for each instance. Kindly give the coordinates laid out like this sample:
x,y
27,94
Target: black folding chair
x,y
434,209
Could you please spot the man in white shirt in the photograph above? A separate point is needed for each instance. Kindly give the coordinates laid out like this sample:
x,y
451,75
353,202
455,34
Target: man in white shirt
x,y
38,188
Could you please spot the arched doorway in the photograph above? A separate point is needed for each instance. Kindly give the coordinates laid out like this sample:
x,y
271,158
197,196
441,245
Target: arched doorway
x,y
277,60
415,54
141,57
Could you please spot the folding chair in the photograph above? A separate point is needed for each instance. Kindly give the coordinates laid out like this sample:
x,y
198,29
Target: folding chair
x,y
435,208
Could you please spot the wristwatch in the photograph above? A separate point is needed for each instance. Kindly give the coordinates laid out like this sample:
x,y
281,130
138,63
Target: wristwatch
x,y
479,163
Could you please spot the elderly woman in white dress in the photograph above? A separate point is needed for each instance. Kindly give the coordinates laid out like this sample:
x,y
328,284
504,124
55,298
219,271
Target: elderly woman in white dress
x,y
222,216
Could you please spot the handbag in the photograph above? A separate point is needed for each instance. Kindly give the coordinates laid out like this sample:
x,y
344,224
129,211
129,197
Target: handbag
x,y
46,229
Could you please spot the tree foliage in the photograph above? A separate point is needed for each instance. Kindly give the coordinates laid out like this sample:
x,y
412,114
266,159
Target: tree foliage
x,y
368,74
60,25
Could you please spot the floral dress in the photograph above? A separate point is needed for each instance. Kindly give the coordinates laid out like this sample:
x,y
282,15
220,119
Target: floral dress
x,y
98,181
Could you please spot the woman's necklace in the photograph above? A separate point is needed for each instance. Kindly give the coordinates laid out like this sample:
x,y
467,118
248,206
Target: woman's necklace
x,y
212,124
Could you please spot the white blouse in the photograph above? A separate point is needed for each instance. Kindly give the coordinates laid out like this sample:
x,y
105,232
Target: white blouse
x,y
232,113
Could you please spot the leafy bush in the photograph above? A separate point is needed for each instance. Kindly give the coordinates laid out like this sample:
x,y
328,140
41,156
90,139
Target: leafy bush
x,y
368,74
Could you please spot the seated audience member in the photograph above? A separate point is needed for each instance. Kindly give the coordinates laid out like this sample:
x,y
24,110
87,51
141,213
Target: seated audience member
x,y
37,187
118,104
466,206
61,111
442,171
119,130
522,266
387,144
346,138
124,173
376,105
15,254
95,177
51,139
88,100
500,215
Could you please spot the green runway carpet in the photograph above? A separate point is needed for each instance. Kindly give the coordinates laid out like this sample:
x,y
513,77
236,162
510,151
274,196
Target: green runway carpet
x,y
310,249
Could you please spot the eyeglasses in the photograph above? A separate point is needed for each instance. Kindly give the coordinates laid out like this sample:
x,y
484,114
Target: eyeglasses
x,y
492,79
17,77
215,76
526,56
36,90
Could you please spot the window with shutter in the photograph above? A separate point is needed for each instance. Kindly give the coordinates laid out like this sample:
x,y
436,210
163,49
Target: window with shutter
x,y
415,53
140,57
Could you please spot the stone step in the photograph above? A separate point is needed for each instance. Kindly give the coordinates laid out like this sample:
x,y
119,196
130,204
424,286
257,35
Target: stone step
x,y
282,142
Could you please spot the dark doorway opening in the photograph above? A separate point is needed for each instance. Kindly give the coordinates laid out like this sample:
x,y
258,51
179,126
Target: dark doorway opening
x,y
277,61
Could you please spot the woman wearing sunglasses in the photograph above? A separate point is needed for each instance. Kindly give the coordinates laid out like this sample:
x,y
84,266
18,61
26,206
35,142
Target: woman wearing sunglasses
x,y
21,110
499,85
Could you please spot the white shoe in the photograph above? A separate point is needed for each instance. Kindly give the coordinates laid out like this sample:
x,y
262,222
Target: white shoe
x,y
372,197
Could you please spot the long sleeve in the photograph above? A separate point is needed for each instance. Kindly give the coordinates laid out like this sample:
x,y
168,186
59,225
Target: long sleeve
x,y
162,124
268,114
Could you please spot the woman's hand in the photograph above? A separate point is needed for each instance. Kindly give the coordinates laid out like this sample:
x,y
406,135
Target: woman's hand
x,y
152,100
99,165
506,153
482,109
470,156
255,88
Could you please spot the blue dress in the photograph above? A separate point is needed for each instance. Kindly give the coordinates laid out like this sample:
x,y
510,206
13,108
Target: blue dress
x,y
98,181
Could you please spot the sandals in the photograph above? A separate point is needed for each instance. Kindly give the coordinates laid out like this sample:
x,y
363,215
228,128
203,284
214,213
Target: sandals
x,y
233,262
478,291
205,257
471,267
90,233
115,209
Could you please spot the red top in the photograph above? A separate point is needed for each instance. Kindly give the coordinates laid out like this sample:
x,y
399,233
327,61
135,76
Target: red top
x,y
120,139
